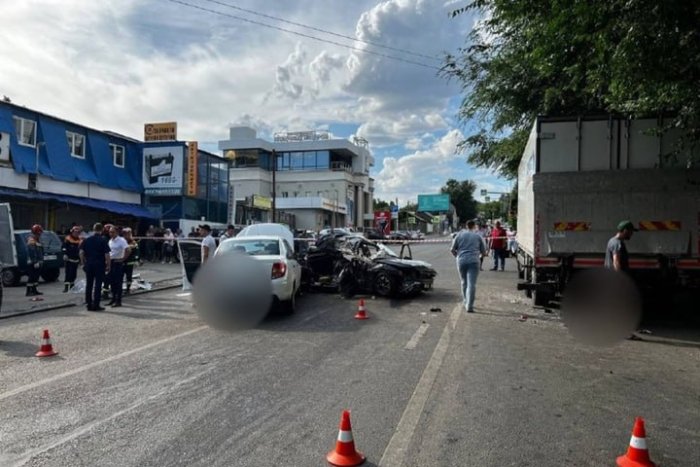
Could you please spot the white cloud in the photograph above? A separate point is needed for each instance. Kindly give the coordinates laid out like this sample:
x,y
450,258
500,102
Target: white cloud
x,y
423,171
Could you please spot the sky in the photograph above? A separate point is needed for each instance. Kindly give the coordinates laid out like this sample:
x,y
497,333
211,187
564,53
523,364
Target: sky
x,y
207,64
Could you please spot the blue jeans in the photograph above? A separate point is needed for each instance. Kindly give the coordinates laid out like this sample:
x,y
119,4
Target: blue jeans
x,y
468,272
499,254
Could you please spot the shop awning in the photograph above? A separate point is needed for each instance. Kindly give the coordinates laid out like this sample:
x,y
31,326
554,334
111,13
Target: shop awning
x,y
115,207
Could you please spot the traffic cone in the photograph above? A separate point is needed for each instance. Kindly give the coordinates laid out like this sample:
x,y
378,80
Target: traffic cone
x,y
344,454
637,454
361,311
46,349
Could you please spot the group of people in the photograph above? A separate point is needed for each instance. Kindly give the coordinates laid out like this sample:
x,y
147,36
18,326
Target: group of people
x,y
471,244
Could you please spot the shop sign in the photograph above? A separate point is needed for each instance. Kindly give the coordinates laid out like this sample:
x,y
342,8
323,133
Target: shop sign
x,y
262,202
162,170
166,131
192,153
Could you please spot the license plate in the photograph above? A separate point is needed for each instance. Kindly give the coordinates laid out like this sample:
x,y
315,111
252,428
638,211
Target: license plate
x,y
47,257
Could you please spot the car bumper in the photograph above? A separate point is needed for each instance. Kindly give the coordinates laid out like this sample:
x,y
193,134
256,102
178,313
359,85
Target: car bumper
x,y
283,288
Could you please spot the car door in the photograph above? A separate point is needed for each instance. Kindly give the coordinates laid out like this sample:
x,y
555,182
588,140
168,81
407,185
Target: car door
x,y
292,264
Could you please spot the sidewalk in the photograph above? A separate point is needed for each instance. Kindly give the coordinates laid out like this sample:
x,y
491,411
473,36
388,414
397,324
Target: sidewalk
x,y
14,301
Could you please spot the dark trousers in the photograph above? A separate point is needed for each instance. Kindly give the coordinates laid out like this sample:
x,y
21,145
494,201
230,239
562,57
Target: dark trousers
x,y
116,275
499,254
129,272
33,276
94,276
71,272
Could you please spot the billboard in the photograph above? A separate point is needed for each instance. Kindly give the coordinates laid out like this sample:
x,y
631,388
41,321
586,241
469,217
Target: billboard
x,y
382,222
192,153
433,203
162,170
166,131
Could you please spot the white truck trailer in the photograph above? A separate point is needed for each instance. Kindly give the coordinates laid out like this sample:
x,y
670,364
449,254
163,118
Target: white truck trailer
x,y
579,177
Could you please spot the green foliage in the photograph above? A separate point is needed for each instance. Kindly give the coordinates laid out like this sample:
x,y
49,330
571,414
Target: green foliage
x,y
570,57
462,197
381,205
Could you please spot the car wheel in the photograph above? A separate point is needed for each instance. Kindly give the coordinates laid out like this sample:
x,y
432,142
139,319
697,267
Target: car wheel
x,y
50,275
384,284
290,306
10,277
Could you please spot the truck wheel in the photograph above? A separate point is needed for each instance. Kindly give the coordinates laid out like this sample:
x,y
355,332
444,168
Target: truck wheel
x,y
10,277
540,298
50,275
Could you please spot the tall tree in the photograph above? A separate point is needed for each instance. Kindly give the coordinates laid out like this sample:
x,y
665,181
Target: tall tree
x,y
380,205
462,197
551,57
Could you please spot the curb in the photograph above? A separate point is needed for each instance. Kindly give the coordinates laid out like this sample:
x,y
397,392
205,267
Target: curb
x,y
31,311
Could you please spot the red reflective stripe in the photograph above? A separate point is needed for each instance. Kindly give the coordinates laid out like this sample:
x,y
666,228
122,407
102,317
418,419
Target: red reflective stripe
x,y
547,261
572,226
588,261
688,263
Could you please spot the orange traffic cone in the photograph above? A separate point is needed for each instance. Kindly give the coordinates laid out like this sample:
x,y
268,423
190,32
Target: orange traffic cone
x,y
46,349
344,454
637,454
361,311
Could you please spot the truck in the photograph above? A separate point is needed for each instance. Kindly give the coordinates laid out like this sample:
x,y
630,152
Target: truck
x,y
580,176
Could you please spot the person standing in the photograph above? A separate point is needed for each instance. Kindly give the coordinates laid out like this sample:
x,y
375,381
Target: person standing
x,y
132,260
118,254
94,256
498,245
230,233
483,233
168,246
71,257
208,243
616,257
468,247
35,259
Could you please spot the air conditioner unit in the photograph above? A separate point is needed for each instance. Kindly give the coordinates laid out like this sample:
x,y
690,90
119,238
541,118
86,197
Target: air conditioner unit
x,y
4,147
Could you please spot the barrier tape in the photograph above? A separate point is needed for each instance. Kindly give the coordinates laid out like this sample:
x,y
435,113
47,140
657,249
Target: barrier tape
x,y
412,241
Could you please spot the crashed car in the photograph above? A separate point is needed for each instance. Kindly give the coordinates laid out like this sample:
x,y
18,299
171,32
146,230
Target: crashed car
x,y
354,265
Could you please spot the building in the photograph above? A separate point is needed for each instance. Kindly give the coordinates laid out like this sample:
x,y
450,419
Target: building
x,y
318,181
183,182
56,172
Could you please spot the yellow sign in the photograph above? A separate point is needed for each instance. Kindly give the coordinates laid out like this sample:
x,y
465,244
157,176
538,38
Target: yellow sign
x,y
192,152
166,131
262,202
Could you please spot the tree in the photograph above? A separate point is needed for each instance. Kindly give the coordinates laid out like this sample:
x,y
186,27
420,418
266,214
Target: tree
x,y
380,205
462,197
632,57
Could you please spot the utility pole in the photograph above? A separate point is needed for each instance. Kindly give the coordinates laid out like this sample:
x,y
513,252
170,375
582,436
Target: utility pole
x,y
274,185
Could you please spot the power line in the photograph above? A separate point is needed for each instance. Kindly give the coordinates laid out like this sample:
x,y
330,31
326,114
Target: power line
x,y
325,31
301,34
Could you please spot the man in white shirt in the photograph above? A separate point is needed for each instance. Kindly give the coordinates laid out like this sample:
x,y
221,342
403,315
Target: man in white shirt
x,y
118,252
208,243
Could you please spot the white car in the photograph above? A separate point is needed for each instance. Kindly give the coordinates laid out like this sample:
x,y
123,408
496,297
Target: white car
x,y
285,271
268,230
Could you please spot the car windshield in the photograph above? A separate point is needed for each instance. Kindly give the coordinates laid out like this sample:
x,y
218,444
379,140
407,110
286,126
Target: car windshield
x,y
251,247
50,241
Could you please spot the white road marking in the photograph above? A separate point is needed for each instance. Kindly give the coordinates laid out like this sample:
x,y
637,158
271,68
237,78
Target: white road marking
x,y
185,294
398,445
420,332
74,371
27,456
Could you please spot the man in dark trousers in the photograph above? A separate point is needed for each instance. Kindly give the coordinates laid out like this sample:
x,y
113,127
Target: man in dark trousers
x,y
498,245
35,260
94,256
118,254
616,257
71,257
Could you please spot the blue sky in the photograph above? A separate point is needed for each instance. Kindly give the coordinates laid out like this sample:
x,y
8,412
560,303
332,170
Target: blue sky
x,y
116,64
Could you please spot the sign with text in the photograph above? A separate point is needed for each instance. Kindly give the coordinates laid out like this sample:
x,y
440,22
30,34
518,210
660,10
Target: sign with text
x,y
262,202
162,170
434,203
192,153
382,222
166,131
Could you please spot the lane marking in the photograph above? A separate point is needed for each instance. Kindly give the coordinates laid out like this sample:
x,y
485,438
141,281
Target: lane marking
x,y
420,332
25,457
89,366
399,443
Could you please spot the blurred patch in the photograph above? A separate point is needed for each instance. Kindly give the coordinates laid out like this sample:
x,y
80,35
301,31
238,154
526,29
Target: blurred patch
x,y
601,307
233,291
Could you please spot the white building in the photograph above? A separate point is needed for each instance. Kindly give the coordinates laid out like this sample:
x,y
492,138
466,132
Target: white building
x,y
319,181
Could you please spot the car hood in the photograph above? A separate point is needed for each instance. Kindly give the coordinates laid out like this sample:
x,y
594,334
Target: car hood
x,y
404,263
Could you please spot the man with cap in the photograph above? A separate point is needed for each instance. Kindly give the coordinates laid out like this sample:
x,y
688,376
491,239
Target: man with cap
x,y
208,242
616,257
71,257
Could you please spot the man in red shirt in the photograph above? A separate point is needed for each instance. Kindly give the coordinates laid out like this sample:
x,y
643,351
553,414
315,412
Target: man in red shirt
x,y
497,241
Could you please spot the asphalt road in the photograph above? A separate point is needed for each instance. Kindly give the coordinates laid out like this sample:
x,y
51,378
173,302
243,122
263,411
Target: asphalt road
x,y
151,384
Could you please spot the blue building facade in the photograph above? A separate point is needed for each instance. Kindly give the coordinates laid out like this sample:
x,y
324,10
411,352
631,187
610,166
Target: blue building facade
x,y
57,173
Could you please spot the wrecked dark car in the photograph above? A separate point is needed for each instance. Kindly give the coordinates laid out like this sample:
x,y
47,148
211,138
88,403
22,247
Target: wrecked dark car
x,y
354,265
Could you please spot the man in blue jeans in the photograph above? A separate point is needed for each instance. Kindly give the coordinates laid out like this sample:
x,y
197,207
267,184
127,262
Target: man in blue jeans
x,y
468,247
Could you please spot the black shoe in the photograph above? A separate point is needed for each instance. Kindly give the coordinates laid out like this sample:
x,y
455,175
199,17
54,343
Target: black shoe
x,y
493,269
117,304
99,308
111,302
29,292
36,292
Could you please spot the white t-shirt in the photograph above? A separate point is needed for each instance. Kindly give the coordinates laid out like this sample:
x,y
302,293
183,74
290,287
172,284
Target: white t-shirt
x,y
208,241
117,248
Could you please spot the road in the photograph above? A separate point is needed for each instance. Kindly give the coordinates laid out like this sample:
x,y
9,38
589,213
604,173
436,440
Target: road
x,y
151,384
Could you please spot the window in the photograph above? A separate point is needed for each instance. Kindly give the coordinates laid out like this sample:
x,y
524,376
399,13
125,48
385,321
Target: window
x,y
76,143
26,131
117,155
